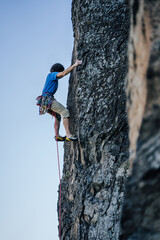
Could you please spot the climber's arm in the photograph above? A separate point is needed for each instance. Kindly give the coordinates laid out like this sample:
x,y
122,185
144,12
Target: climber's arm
x,y
68,70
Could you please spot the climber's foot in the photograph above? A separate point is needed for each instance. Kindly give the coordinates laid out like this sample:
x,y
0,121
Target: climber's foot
x,y
60,138
71,138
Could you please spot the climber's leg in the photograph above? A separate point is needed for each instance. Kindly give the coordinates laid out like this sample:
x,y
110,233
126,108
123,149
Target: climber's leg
x,y
58,137
66,126
60,109
57,126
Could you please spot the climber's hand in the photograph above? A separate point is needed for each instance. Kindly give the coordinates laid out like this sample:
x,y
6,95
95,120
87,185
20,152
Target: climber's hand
x,y
78,62
68,70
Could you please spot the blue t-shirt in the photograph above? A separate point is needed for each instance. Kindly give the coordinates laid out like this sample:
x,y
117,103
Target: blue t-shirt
x,y
51,84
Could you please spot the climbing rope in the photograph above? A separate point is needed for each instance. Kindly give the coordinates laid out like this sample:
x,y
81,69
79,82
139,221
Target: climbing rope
x,y
59,192
59,169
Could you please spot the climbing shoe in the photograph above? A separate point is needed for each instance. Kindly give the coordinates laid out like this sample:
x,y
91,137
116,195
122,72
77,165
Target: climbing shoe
x,y
60,139
71,138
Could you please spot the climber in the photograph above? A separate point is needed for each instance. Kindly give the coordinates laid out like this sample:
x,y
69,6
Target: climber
x,y
47,102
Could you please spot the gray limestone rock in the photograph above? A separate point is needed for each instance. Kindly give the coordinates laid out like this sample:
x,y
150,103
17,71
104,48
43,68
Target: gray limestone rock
x,y
95,167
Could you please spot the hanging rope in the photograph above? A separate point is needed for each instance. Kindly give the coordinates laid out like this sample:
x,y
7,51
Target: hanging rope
x,y
59,193
59,169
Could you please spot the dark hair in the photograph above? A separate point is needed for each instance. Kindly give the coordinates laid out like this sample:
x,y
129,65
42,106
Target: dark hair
x,y
57,67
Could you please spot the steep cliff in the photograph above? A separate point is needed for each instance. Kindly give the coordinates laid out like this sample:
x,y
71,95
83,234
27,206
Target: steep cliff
x,y
96,166
141,213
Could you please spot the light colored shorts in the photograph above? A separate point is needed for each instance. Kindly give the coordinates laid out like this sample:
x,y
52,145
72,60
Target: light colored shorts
x,y
60,109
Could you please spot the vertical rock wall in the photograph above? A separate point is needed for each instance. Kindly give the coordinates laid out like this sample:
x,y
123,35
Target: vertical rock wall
x,y
141,213
96,166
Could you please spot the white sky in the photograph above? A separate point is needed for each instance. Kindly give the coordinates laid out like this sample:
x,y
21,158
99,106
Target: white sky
x,y
34,34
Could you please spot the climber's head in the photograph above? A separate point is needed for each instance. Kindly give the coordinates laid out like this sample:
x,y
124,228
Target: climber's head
x,y
57,67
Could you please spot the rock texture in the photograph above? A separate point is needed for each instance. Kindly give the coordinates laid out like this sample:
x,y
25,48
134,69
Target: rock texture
x,y
95,168
141,213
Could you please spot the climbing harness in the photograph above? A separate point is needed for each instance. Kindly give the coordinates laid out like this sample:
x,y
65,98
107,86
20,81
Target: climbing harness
x,y
44,102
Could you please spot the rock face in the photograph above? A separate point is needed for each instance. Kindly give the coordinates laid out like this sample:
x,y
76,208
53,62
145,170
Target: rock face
x,y
141,213
95,167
